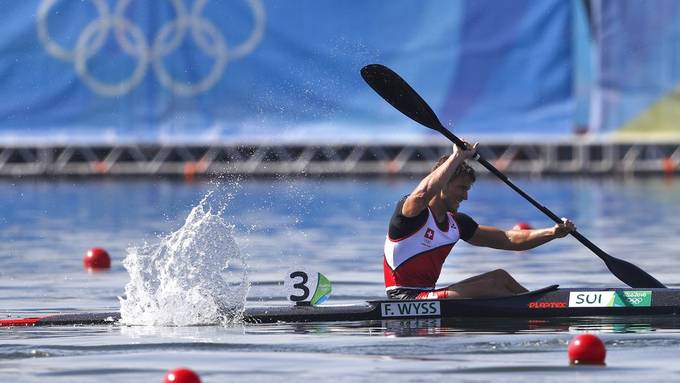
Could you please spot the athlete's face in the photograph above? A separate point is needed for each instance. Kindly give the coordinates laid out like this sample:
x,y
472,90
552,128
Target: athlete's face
x,y
456,192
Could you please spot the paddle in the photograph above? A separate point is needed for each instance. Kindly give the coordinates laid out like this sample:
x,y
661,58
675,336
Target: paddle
x,y
400,95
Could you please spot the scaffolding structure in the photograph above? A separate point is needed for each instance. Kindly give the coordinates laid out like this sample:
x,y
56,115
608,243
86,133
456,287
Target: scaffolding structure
x,y
536,158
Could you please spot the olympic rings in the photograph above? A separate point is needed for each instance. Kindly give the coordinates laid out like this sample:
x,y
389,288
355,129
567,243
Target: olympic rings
x,y
130,37
635,301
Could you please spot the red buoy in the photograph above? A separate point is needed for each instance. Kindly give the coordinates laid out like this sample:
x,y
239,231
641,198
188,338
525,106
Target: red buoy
x,y
522,226
586,349
181,375
668,166
97,259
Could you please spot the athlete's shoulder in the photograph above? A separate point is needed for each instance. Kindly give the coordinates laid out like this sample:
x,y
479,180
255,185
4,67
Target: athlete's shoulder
x,y
462,215
401,226
466,225
400,206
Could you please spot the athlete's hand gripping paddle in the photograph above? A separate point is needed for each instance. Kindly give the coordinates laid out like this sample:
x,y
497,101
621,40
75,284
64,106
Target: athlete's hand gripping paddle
x,y
401,96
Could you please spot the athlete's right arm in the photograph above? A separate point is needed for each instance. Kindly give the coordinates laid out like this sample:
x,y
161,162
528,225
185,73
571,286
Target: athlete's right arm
x,y
434,182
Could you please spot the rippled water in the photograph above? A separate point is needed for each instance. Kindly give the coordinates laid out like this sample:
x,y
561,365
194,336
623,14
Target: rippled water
x,y
336,227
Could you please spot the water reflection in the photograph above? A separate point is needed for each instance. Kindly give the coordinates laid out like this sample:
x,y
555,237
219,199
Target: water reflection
x,y
428,327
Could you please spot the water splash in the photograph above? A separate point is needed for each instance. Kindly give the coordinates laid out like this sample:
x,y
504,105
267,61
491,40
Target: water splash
x,y
194,276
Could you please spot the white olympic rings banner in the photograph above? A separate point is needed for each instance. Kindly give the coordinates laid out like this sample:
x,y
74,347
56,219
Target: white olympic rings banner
x,y
188,24
206,71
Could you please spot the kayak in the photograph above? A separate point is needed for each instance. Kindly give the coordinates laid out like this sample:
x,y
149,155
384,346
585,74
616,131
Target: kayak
x,y
548,302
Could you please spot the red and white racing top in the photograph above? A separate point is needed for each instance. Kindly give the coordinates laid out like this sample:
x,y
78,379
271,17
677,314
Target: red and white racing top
x,y
415,260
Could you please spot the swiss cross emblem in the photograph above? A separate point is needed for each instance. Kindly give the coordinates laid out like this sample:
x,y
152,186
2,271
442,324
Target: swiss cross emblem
x,y
429,234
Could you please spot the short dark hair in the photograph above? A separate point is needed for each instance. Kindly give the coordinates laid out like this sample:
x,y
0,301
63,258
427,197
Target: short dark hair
x,y
463,169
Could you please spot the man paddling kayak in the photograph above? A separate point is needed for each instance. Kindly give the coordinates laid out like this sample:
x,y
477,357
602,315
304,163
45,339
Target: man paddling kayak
x,y
426,224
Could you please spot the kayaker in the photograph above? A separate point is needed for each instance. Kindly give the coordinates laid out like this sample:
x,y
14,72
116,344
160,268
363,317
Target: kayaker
x,y
426,225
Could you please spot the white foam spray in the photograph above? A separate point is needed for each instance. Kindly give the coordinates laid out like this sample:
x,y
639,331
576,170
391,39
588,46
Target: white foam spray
x,y
194,276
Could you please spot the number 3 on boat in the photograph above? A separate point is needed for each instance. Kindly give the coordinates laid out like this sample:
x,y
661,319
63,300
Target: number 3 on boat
x,y
305,287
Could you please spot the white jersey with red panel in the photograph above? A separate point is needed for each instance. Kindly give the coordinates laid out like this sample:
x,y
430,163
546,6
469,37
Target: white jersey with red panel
x,y
415,261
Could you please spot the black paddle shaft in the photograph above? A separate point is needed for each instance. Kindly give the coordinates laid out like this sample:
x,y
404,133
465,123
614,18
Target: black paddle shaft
x,y
402,97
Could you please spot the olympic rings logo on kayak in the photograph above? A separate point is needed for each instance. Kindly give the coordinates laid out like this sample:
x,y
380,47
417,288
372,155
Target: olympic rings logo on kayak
x,y
130,37
635,301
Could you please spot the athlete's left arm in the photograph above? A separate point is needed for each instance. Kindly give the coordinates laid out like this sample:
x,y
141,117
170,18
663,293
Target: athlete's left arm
x,y
489,236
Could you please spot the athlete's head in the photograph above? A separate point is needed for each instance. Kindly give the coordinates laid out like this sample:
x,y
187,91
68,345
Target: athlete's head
x,y
457,188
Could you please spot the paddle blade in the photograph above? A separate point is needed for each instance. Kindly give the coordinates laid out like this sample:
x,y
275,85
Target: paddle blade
x,y
400,95
632,275
627,272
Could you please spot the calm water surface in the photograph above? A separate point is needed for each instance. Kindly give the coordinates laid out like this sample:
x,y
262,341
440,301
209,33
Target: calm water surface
x,y
336,227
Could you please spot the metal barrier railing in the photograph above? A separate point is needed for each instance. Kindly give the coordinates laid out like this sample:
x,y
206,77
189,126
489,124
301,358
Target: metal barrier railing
x,y
330,159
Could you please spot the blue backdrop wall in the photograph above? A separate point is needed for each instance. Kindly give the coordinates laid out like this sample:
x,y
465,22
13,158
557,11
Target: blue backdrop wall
x,y
637,90
237,70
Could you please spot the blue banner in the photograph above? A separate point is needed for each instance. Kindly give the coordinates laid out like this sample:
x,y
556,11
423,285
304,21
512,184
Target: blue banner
x,y
638,55
112,71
